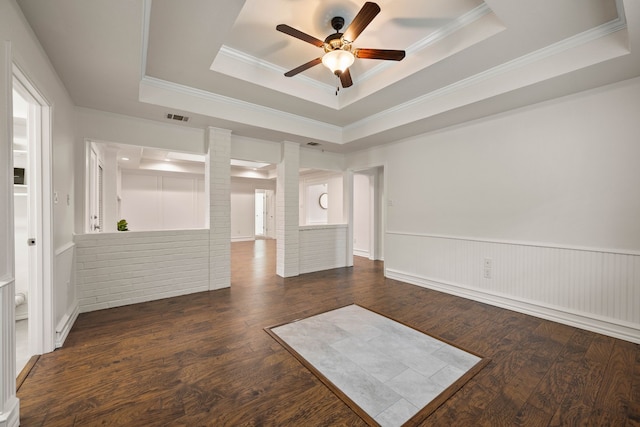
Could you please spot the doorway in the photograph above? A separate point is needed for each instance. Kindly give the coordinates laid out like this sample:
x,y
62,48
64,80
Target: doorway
x,y
264,214
368,213
32,221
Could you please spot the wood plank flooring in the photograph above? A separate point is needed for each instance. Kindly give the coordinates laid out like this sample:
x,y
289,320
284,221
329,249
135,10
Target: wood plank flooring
x,y
205,360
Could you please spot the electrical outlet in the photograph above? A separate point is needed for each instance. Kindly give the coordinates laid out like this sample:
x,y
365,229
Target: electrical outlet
x,y
487,273
55,197
488,263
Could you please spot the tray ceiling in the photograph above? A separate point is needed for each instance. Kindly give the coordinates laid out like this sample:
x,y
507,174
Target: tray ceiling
x,y
223,63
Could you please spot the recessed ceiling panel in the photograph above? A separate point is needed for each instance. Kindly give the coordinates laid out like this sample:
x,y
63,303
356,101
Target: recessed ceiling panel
x,y
255,51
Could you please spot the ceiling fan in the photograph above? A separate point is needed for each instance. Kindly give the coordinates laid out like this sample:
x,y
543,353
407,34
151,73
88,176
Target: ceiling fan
x,y
339,52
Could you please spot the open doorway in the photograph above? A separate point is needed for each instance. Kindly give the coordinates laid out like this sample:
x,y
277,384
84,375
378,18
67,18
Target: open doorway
x,y
32,221
368,213
264,214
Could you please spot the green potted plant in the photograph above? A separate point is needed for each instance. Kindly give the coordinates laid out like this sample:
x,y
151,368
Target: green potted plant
x,y
122,225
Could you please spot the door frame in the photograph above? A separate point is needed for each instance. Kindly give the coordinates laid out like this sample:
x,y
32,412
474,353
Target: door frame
x,y
41,304
378,211
94,188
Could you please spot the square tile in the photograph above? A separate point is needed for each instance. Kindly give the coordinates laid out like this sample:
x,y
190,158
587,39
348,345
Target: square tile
x,y
384,368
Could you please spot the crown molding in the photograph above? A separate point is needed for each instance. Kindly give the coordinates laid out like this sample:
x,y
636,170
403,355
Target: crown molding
x,y
146,23
244,112
569,43
245,58
433,38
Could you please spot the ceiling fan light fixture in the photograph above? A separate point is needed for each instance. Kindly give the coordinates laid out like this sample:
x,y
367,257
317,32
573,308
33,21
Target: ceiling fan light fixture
x,y
338,60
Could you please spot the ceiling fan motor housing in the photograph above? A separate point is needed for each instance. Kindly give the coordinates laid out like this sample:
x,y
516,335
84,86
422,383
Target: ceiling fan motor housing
x,y
335,41
337,22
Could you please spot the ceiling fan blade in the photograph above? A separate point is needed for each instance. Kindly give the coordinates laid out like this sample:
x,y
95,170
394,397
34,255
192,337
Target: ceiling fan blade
x,y
360,22
345,78
303,67
387,54
299,35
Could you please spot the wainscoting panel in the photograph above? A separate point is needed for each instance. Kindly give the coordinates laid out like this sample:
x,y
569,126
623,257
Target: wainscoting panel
x,y
115,269
66,309
322,247
597,290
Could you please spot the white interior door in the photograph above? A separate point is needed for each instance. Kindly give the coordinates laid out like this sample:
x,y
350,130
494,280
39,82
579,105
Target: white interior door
x,y
260,213
270,214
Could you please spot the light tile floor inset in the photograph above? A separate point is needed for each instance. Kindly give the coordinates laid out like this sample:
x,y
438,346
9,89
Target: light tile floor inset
x,y
389,370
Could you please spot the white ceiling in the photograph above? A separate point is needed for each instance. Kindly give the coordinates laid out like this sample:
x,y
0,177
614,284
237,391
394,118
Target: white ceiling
x,y
222,62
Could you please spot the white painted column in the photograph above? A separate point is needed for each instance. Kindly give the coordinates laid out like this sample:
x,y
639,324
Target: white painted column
x,y
9,403
219,183
347,206
287,215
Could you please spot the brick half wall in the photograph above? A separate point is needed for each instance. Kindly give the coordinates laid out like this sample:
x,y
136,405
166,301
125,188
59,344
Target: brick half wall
x,y
322,247
116,269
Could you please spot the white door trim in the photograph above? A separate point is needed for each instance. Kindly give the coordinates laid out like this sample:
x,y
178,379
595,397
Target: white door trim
x,y
42,338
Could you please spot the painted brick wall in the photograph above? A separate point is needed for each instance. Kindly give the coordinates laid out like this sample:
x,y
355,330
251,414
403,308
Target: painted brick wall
x,y
220,208
287,197
115,269
323,247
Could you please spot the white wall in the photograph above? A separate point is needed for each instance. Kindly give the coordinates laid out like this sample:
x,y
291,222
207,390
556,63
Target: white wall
x,y
362,215
154,200
562,174
28,55
19,45
243,206
314,213
309,211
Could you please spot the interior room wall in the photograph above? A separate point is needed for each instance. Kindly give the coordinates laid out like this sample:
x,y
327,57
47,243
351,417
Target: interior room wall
x,y
563,172
310,212
155,200
243,206
315,213
560,177
362,215
29,56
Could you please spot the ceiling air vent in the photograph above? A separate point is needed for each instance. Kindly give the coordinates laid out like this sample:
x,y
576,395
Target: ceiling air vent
x,y
177,117
313,144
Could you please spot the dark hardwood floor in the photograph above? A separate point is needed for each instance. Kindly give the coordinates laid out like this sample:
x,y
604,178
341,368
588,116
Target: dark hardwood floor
x,y
205,360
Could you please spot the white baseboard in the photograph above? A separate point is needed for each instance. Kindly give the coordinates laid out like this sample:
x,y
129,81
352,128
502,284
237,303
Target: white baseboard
x,y
360,252
243,239
66,323
609,327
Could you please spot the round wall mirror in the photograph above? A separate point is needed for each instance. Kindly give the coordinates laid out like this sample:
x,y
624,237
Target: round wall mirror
x,y
324,200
